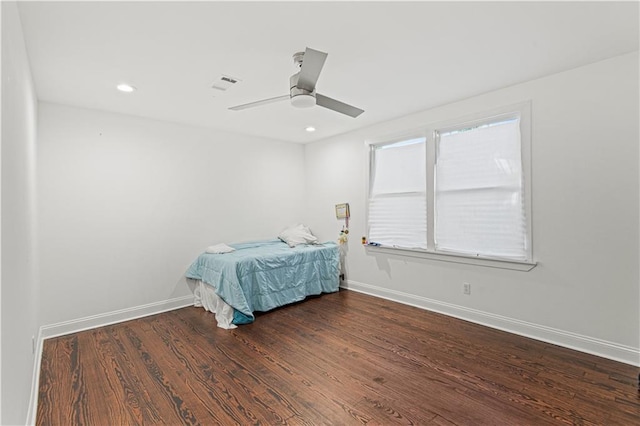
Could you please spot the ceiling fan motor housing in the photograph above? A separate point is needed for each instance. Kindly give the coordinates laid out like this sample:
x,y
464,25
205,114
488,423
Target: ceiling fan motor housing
x,y
300,98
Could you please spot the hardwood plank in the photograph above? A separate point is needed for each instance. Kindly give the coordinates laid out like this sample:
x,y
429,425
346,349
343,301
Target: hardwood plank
x,y
118,396
420,380
342,358
236,389
449,375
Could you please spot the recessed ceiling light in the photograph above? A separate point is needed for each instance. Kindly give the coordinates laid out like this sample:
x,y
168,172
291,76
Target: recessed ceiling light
x,y
310,129
125,88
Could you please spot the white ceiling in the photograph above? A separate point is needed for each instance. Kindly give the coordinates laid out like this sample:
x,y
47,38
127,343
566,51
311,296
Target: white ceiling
x,y
388,58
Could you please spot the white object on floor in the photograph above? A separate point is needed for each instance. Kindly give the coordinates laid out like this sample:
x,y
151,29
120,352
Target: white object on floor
x,y
205,296
219,249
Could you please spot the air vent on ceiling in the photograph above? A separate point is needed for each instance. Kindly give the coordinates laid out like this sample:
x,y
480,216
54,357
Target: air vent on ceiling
x,y
224,82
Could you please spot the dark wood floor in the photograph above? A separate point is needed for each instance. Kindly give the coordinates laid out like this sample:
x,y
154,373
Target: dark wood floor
x,y
343,358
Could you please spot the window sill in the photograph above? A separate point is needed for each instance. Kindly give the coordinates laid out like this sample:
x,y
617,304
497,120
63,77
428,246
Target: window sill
x,y
455,258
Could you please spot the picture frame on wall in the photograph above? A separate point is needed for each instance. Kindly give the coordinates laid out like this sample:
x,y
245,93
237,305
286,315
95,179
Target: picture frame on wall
x,y
342,211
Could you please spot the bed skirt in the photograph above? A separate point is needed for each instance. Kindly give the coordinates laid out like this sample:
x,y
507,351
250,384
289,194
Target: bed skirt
x,y
205,296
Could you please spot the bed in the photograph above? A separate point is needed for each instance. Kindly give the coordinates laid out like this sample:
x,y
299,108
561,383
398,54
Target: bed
x,y
262,275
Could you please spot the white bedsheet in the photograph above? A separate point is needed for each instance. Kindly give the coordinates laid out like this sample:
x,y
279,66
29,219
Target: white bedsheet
x,y
206,297
220,249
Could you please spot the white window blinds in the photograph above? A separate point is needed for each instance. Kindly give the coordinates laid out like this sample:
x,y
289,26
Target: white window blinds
x,y
479,199
397,198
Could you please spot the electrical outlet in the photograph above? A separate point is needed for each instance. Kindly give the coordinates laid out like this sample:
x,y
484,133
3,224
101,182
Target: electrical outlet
x,y
466,288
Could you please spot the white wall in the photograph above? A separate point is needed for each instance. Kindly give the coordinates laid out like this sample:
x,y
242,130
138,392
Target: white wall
x,y
126,204
0,216
19,272
585,291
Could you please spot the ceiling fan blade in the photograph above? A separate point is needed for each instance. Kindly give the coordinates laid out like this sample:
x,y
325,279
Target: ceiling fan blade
x,y
258,103
338,106
312,64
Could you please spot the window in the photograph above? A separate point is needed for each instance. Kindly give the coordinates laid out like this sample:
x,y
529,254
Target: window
x,y
398,194
462,189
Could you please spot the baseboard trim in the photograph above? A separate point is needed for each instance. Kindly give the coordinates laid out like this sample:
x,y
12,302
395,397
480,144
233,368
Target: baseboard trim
x,y
598,347
35,379
88,323
100,320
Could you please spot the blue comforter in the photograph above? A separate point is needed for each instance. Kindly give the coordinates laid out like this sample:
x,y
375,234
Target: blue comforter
x,y
263,275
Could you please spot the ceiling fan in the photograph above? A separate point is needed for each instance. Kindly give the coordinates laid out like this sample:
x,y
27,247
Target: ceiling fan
x,y
302,85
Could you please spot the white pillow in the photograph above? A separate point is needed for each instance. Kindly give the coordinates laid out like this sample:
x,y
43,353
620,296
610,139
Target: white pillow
x,y
298,234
